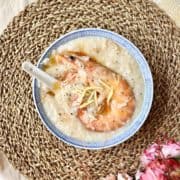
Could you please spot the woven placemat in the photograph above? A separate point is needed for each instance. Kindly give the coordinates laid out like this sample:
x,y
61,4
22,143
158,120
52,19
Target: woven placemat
x,y
23,137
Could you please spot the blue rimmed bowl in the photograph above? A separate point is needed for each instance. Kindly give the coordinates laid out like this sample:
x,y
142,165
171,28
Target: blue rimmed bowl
x,y
136,123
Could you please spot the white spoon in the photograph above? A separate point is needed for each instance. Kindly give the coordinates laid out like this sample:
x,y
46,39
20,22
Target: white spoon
x,y
42,76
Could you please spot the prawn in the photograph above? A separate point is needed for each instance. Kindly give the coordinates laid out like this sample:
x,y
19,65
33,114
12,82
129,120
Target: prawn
x,y
114,114
108,101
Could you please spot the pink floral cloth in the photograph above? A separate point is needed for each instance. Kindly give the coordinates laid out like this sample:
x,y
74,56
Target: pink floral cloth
x,y
160,161
168,150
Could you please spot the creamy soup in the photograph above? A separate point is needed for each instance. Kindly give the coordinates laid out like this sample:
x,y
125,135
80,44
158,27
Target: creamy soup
x,y
110,56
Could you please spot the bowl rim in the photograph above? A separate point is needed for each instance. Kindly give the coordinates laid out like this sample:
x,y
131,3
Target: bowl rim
x,y
148,89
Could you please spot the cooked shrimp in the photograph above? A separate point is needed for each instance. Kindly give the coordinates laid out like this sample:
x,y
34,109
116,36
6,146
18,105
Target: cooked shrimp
x,y
113,114
104,100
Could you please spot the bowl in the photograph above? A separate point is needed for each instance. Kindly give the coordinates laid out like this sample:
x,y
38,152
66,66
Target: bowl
x,y
136,123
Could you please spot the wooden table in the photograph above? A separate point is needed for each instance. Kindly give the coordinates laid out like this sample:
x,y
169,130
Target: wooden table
x,y
10,8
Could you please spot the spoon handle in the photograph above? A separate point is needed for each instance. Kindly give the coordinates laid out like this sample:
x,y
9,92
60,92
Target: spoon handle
x,y
39,74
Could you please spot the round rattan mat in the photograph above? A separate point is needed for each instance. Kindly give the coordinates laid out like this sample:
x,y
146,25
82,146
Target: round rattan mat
x,y
23,137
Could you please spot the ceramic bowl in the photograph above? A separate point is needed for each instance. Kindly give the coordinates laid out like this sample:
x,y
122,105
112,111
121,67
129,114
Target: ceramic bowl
x,y
135,124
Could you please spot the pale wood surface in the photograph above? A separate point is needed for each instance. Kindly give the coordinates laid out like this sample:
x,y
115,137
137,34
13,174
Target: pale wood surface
x,y
172,8
10,8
